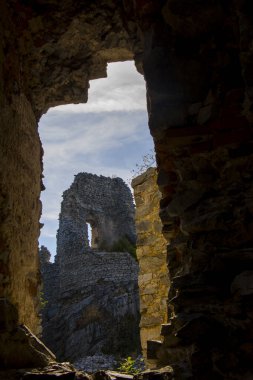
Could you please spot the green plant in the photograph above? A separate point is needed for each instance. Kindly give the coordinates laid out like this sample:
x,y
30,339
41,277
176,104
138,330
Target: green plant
x,y
42,300
131,366
124,245
121,245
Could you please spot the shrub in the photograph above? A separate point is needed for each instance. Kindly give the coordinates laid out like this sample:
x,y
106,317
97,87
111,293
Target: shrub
x,y
148,161
124,245
131,366
43,302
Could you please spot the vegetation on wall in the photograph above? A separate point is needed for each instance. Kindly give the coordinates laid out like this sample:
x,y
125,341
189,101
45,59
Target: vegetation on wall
x,y
121,245
124,245
131,366
42,300
148,160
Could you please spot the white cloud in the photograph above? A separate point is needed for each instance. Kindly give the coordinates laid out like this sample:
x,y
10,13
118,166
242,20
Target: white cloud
x,y
108,141
123,90
91,135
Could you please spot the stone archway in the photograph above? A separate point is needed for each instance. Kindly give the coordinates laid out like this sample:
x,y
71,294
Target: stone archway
x,y
196,58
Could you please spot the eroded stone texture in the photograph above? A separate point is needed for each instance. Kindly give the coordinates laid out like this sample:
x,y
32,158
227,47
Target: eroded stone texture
x,y
53,371
197,60
92,295
19,348
48,53
83,37
19,209
152,257
198,116
106,204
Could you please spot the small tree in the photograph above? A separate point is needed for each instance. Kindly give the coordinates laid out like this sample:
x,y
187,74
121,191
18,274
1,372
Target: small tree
x,y
148,160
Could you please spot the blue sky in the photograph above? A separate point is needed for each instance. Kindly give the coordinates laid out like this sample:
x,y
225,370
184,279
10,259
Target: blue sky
x,y
107,136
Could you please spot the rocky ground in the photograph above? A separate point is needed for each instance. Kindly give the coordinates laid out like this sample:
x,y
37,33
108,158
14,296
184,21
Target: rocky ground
x,y
92,363
67,371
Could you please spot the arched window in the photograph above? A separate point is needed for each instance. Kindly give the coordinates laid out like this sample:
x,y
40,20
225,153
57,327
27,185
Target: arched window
x,y
92,234
89,228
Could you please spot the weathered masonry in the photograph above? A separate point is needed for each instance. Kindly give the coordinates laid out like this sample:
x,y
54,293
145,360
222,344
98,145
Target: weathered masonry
x,y
152,258
196,57
92,298
106,204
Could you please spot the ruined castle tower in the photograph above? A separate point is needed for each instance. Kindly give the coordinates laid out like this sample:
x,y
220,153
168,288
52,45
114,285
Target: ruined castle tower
x,y
91,291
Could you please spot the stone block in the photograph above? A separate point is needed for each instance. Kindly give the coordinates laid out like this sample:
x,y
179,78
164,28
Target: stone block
x,y
152,347
144,278
166,329
242,284
19,348
165,373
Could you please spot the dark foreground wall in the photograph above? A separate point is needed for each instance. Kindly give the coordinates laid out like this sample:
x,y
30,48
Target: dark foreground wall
x,y
197,61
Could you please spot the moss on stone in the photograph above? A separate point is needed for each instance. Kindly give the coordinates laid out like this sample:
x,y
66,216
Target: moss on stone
x,y
124,245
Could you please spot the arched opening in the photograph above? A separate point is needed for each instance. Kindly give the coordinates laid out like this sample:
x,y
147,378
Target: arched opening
x,y
107,136
93,234
105,223
197,61
90,233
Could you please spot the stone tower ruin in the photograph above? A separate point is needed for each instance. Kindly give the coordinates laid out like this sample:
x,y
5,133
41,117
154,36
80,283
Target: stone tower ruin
x,y
91,293
106,204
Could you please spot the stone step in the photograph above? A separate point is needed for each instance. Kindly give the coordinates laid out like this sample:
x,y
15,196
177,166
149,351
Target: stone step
x,y
119,376
166,329
165,373
152,348
50,376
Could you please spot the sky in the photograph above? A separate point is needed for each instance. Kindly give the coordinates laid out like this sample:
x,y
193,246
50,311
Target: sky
x,y
109,135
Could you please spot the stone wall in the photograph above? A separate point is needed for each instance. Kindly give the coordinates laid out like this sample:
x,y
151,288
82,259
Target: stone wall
x,y
31,43
105,203
197,61
20,285
92,307
152,257
196,65
20,208
92,300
